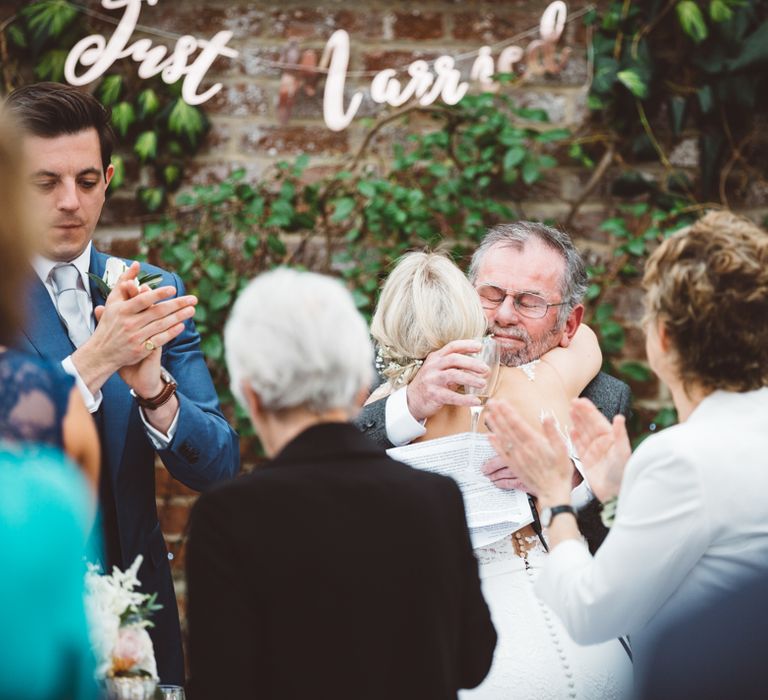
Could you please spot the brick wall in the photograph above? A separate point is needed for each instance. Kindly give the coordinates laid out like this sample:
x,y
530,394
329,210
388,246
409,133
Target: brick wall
x,y
246,131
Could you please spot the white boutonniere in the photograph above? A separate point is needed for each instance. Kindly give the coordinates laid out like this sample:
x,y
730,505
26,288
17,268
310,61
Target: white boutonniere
x,y
112,271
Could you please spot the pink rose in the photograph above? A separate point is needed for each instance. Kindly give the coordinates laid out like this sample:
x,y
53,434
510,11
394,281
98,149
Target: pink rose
x,y
133,650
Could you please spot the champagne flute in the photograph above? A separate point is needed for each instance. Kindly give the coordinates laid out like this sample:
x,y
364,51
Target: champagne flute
x,y
489,354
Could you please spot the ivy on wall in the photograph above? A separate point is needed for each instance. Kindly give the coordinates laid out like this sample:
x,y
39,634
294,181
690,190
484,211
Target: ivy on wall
x,y
667,75
158,133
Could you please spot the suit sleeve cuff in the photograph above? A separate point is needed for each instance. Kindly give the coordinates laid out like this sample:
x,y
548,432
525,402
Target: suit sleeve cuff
x,y
92,402
401,426
160,441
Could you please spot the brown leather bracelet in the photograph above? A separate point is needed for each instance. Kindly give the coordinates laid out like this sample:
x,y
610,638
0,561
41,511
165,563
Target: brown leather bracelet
x,y
163,397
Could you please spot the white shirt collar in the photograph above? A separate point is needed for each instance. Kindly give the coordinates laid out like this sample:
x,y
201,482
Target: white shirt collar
x,y
82,262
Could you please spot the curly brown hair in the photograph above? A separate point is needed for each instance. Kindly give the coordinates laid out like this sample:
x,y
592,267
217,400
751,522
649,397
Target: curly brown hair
x,y
15,234
708,285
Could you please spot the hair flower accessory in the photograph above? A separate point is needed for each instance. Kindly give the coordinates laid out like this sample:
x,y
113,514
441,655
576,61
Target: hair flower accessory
x,y
114,268
397,369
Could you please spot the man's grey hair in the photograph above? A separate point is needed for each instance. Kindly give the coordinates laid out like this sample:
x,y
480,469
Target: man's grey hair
x,y
297,339
573,286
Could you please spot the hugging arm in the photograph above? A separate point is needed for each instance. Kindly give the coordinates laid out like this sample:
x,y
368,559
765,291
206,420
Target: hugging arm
x,y
578,364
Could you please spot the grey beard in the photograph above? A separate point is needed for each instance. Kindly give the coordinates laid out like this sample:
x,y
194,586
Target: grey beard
x,y
532,350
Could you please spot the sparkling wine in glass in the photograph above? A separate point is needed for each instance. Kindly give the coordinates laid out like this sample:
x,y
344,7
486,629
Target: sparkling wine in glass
x,y
489,354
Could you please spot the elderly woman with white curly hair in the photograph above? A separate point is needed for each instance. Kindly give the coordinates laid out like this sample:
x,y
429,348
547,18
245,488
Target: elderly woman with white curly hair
x,y
332,570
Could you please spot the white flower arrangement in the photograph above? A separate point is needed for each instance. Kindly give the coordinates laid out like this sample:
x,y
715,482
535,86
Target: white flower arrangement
x,y
118,618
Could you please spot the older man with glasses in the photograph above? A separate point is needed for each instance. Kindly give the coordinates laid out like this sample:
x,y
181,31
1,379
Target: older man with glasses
x,y
531,282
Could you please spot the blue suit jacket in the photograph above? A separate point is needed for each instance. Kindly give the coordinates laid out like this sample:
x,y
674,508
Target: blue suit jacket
x,y
204,450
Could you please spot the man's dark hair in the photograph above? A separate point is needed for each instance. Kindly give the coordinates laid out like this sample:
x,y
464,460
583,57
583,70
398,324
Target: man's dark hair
x,y
573,286
54,109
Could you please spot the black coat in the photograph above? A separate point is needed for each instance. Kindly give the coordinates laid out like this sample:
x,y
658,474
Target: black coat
x,y
334,572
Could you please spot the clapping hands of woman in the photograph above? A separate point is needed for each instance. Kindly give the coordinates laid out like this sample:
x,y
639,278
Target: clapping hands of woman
x,y
540,461
543,462
603,447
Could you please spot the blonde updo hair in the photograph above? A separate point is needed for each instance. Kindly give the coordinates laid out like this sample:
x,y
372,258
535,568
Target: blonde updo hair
x,y
708,285
425,303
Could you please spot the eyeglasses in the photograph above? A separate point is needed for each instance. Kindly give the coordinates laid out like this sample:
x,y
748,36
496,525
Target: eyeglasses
x,y
525,303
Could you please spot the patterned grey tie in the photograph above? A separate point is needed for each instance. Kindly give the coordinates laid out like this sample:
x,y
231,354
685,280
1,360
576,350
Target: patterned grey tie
x,y
68,286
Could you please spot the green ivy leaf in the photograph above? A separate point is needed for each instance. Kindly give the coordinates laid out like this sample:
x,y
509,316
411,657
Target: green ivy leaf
x,y
635,371
513,157
612,336
171,175
633,82
220,300
605,76
186,121
110,89
366,188
48,18
151,198
705,98
17,36
531,172
552,135
123,116
276,245
148,102
146,146
637,209
719,11
616,226
212,346
51,65
342,209
636,246
118,176
691,20
603,313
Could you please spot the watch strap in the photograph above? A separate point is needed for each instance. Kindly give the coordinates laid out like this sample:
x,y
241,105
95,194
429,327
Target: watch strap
x,y
557,510
163,397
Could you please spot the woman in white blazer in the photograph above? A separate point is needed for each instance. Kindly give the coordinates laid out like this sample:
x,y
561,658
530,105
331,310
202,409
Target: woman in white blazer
x,y
692,513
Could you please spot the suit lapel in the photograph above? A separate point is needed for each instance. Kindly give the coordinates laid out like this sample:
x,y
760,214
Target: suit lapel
x,y
44,329
97,266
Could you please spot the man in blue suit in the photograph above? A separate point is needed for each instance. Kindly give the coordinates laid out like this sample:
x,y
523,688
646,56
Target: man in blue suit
x,y
137,362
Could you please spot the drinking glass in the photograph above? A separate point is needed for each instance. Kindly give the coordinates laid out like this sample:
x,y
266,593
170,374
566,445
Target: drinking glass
x,y
169,692
489,353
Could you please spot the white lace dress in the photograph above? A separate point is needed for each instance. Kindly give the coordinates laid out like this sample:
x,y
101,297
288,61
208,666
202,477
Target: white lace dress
x,y
535,659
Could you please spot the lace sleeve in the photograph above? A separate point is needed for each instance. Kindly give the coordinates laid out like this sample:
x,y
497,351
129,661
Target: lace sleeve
x,y
33,399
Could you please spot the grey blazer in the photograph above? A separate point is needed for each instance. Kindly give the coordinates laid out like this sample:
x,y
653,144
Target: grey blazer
x,y
610,395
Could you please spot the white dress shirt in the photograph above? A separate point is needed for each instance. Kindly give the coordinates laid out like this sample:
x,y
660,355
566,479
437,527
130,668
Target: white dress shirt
x,y
43,267
692,521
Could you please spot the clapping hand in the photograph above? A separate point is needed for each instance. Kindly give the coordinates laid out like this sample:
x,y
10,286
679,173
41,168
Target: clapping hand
x,y
540,461
603,447
132,328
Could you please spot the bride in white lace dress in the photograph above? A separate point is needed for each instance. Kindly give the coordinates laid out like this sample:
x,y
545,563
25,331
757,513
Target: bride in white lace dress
x,y
535,659
427,302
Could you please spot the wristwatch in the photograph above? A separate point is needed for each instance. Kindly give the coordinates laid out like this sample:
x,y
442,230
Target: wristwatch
x,y
548,513
163,397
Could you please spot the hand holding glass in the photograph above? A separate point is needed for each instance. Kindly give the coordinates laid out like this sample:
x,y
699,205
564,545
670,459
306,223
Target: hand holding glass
x,y
489,354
